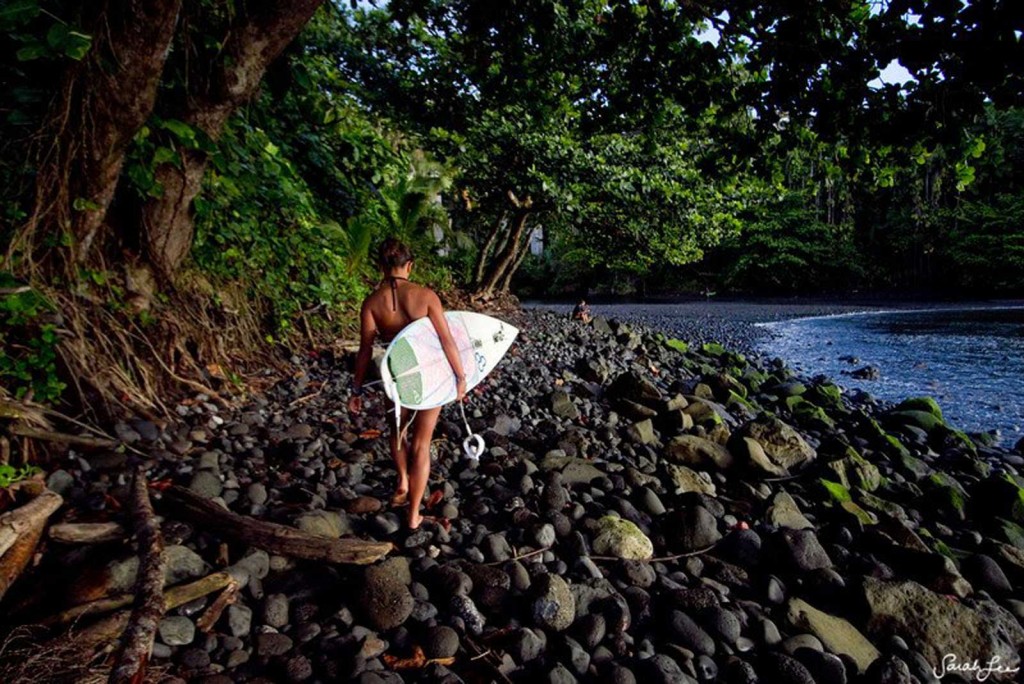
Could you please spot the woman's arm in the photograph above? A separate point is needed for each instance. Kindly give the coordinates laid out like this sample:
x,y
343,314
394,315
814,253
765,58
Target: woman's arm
x,y
367,333
436,313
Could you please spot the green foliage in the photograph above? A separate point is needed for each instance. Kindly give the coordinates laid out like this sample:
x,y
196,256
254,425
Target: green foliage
x,y
28,340
11,475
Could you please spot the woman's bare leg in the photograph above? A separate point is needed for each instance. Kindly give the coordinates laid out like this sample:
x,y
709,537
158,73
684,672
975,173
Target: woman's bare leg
x,y
400,454
419,461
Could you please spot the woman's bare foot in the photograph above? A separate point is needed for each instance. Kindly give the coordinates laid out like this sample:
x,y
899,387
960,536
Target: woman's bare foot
x,y
416,519
400,498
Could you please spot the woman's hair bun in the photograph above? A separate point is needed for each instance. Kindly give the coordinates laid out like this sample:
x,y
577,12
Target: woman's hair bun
x,y
393,253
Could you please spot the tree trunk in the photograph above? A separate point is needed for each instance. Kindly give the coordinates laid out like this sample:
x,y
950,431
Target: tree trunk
x,y
506,279
105,101
257,39
506,259
485,253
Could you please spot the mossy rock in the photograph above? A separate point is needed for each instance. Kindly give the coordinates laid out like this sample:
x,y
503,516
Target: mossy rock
x,y
877,503
702,412
836,491
713,349
794,388
912,467
921,419
677,345
723,384
854,470
814,416
1000,496
826,395
1011,532
621,539
926,404
754,379
858,513
944,491
948,438
734,399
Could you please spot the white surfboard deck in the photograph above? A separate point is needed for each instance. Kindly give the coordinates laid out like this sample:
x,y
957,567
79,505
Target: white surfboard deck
x,y
415,371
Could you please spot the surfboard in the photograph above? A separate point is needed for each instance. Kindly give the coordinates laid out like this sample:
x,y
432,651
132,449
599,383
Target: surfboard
x,y
415,371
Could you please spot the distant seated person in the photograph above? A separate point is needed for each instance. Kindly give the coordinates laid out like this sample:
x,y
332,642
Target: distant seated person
x,y
581,312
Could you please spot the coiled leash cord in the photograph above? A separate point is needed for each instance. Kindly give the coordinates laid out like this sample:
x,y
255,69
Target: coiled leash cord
x,y
473,446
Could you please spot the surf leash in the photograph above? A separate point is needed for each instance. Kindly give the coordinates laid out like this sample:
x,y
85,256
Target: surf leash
x,y
473,445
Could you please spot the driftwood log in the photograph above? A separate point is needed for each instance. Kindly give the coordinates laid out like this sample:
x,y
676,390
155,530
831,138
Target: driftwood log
x,y
86,533
18,557
31,516
271,537
81,441
137,641
173,597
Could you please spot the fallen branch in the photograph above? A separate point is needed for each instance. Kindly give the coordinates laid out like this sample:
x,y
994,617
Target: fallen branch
x,y
19,556
209,618
31,516
271,537
86,533
64,438
137,643
661,559
173,597
521,556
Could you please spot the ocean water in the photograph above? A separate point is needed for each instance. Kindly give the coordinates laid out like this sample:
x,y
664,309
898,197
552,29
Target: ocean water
x,y
970,360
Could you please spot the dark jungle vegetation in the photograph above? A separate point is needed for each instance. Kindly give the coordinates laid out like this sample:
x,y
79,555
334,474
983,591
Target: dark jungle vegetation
x,y
186,184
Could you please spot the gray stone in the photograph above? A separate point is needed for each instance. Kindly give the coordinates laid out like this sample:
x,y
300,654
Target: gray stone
x,y
299,431
257,493
784,512
783,445
525,645
697,452
275,610
441,642
690,634
642,432
329,524
239,620
697,528
60,481
207,484
554,606
938,626
801,550
177,630
685,480
562,406
273,644
838,635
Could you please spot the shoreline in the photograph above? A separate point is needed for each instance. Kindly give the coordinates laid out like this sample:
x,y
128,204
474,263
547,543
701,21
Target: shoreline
x,y
644,512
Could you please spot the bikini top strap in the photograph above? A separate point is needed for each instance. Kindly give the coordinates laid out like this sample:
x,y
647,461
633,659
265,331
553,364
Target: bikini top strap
x,y
393,281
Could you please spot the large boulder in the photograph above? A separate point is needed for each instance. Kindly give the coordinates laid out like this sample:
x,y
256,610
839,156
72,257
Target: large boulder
x,y
784,512
685,480
938,626
574,470
631,386
781,443
838,635
697,452
622,539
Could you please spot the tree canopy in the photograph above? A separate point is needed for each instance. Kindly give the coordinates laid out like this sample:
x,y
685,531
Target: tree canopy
x,y
240,160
